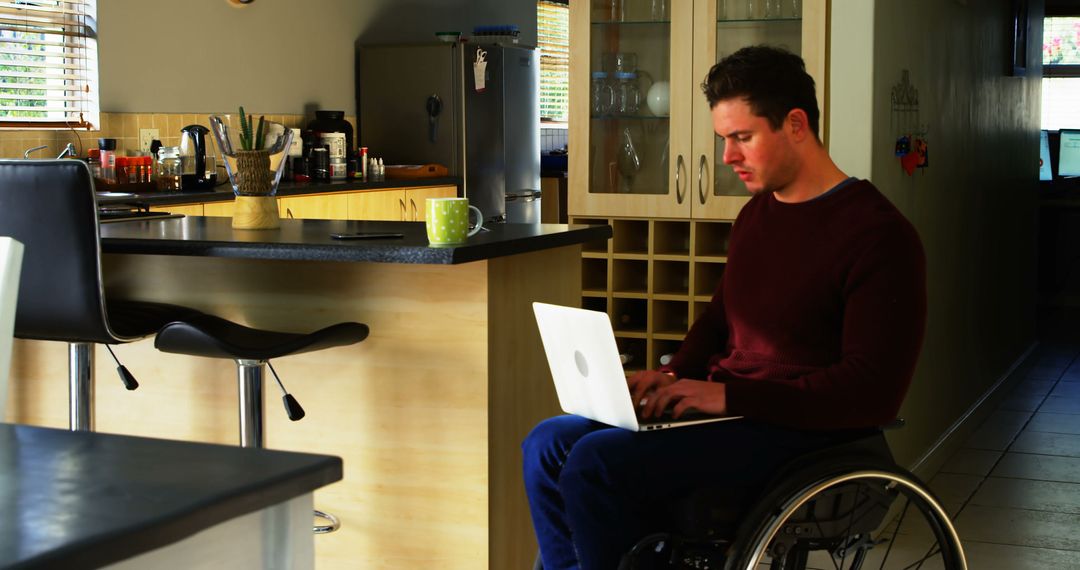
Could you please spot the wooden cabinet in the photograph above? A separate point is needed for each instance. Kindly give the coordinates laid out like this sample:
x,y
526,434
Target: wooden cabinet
x,y
415,200
316,206
222,209
634,155
396,205
185,209
656,174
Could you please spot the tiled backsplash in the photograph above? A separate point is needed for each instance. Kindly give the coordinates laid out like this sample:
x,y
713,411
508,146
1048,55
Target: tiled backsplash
x,y
551,139
124,127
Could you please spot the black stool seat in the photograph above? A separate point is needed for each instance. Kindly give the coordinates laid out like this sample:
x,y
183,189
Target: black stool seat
x,y
139,319
214,337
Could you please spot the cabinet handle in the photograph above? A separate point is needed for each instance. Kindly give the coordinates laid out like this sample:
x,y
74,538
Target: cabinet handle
x,y
413,204
679,194
288,213
700,179
401,201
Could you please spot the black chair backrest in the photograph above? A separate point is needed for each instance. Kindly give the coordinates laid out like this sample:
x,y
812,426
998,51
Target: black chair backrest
x,y
49,206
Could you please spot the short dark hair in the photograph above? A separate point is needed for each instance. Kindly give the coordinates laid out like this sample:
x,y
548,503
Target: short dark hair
x,y
772,80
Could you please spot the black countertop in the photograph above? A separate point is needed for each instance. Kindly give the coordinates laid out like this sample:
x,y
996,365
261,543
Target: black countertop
x,y
83,500
309,240
224,192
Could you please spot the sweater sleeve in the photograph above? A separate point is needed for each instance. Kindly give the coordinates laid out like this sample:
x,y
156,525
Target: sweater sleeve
x,y
883,326
706,338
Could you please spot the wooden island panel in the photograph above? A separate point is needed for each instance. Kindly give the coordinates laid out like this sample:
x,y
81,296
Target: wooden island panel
x,y
428,413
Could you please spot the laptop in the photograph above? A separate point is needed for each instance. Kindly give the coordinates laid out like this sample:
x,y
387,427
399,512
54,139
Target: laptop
x,y
589,378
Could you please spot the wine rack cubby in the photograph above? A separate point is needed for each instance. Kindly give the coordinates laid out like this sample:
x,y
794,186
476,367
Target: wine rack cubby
x,y
653,279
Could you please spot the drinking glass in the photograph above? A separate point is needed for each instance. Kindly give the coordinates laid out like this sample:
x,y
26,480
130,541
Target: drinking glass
x,y
772,9
659,10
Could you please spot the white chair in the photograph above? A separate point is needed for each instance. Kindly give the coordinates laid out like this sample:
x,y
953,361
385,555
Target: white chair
x,y
11,255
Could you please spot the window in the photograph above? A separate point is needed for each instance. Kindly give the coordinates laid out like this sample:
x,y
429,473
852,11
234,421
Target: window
x,y
48,64
553,38
1061,73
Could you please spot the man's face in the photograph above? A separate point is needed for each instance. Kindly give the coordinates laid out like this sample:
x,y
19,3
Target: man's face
x,y
764,159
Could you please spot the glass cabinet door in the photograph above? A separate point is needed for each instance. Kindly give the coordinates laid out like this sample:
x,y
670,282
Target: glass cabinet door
x,y
636,116
729,25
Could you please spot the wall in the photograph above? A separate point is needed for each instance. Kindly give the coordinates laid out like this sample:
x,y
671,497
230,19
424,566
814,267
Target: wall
x,y
274,56
975,206
166,64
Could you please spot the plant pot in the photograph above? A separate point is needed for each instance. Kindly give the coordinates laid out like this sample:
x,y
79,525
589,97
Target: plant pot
x,y
254,174
255,213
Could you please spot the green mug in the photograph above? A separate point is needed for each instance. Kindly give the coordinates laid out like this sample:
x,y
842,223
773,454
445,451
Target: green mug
x,y
448,220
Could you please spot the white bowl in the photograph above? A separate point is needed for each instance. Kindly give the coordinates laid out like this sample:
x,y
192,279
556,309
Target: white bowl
x,y
659,99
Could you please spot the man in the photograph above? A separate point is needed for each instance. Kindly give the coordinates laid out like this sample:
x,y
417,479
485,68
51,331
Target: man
x,y
813,331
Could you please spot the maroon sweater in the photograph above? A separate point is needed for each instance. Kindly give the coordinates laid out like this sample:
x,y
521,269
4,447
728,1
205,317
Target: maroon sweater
x,y
818,319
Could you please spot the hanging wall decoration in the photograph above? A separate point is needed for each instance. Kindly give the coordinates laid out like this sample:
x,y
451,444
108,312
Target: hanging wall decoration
x,y
911,146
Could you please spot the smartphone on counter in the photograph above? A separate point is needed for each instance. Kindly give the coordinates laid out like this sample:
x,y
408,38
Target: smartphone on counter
x,y
368,235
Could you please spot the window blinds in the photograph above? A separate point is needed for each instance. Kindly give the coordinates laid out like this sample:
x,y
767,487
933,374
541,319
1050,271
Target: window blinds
x,y
48,64
553,38
1061,47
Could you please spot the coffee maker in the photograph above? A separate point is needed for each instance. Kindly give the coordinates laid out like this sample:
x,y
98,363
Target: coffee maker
x,y
198,171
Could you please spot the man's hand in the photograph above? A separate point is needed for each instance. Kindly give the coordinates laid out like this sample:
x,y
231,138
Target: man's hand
x,y
644,383
705,397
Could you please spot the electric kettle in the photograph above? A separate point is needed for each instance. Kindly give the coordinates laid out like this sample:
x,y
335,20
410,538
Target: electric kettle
x,y
198,171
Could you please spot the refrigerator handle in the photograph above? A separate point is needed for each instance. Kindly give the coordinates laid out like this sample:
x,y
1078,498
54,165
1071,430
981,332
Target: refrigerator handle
x,y
434,108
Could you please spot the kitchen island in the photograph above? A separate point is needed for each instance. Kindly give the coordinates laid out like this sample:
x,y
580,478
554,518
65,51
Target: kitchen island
x,y
85,500
427,413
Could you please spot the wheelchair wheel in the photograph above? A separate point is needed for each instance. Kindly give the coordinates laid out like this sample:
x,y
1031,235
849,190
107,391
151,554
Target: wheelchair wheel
x,y
879,518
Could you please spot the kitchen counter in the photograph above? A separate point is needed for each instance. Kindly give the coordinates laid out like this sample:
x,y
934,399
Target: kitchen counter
x,y
428,413
83,500
309,240
224,193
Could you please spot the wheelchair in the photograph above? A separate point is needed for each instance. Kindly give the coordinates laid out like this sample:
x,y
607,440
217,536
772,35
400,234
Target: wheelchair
x,y
844,507
848,506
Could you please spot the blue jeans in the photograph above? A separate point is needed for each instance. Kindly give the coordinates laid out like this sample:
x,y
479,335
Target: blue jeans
x,y
595,490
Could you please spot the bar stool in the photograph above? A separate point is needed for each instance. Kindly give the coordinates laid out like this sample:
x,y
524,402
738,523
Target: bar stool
x,y
50,206
213,337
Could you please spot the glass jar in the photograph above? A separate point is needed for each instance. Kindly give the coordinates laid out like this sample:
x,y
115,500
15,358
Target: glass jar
x,y
602,94
333,122
168,169
627,93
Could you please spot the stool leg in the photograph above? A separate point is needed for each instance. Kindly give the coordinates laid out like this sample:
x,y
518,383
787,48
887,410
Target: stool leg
x,y
81,386
250,377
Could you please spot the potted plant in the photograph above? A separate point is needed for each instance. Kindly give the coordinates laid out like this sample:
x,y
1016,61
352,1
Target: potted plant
x,y
254,155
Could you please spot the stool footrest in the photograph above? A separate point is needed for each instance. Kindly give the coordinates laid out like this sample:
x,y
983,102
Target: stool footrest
x,y
334,525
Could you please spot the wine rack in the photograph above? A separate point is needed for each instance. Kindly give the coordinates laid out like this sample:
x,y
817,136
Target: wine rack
x,y
653,278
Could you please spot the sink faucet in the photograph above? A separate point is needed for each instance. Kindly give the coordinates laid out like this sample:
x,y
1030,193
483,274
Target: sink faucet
x,y
30,150
69,150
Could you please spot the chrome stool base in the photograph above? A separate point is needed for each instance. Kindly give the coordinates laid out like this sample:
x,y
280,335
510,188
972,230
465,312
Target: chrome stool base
x,y
326,529
250,374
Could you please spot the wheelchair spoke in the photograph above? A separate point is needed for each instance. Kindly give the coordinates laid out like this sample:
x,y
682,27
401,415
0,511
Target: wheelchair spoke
x,y
896,531
851,525
848,517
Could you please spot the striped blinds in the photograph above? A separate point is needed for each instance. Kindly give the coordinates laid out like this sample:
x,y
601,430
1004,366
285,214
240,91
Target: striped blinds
x,y
1061,47
48,64
553,38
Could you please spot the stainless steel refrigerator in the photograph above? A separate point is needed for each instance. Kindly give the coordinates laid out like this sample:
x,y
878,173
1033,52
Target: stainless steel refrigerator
x,y
424,103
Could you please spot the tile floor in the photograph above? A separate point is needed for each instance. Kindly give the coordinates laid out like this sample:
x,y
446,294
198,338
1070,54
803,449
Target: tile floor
x,y
1014,487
